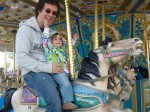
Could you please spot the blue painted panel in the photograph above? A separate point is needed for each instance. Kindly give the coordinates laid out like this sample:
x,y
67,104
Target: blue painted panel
x,y
1,8
1,101
138,91
87,91
128,103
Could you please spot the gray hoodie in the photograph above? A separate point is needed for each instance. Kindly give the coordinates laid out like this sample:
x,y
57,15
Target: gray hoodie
x,y
29,48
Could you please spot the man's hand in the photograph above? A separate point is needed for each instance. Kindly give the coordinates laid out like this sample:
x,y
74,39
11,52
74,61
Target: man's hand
x,y
57,68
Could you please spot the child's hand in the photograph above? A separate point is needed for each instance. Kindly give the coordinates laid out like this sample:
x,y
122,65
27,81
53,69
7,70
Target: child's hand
x,y
75,36
57,68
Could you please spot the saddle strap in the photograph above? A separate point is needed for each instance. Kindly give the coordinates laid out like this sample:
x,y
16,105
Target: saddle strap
x,y
92,80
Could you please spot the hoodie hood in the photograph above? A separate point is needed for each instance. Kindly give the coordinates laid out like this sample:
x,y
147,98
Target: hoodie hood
x,y
32,22
54,32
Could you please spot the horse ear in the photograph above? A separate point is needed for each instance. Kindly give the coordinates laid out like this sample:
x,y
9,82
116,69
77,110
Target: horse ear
x,y
108,45
96,50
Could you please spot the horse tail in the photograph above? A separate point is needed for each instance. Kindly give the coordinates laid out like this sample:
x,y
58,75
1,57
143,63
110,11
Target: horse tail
x,y
7,99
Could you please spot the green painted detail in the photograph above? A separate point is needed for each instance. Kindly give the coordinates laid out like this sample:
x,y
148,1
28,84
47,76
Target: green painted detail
x,y
110,60
41,103
119,50
84,102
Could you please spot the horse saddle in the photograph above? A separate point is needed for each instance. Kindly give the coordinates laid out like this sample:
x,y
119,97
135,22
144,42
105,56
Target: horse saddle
x,y
29,96
83,100
88,98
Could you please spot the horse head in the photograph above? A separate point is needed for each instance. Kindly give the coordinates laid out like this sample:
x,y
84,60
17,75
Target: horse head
x,y
98,61
131,46
120,76
117,51
127,74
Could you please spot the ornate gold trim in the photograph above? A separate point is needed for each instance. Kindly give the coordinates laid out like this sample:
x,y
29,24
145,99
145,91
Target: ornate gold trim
x,y
134,99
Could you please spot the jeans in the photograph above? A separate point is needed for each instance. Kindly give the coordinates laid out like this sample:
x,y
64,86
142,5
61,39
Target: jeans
x,y
65,86
45,86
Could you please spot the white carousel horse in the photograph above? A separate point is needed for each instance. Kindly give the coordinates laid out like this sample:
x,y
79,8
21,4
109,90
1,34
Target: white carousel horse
x,y
114,53
85,95
119,51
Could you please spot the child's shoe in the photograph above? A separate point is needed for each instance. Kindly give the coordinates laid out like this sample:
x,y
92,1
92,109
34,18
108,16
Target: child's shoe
x,y
69,106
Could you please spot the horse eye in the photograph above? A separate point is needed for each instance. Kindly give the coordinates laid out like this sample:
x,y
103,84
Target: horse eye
x,y
136,40
125,68
112,45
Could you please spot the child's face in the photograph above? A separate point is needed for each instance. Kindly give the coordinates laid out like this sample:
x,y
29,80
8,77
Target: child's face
x,y
57,41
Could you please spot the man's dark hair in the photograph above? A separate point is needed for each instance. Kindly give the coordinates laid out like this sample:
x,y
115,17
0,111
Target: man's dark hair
x,y
41,3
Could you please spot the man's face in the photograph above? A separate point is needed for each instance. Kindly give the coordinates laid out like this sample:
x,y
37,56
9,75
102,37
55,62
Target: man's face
x,y
48,14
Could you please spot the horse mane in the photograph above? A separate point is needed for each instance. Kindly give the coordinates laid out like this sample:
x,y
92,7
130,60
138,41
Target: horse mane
x,y
90,70
111,80
89,67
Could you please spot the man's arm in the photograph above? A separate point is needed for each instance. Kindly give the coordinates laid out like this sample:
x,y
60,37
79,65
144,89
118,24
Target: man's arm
x,y
23,58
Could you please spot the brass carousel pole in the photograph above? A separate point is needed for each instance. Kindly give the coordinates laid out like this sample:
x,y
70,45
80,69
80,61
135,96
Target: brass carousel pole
x,y
5,61
5,66
69,33
96,25
146,43
14,84
14,55
148,52
103,21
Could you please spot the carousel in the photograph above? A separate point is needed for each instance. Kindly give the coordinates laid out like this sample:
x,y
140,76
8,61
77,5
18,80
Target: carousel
x,y
109,64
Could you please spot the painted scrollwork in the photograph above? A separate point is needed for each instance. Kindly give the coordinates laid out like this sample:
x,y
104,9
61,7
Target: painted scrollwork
x,y
110,32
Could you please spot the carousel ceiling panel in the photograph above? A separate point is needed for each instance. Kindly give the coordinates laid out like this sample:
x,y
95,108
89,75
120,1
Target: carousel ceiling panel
x,y
144,7
13,11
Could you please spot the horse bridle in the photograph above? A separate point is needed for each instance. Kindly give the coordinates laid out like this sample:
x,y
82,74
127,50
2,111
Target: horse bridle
x,y
98,78
104,52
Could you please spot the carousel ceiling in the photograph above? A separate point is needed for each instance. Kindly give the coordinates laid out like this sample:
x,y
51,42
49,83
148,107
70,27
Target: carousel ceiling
x,y
13,11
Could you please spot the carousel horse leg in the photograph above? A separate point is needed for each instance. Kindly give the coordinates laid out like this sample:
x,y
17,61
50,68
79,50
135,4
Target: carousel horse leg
x,y
115,104
126,92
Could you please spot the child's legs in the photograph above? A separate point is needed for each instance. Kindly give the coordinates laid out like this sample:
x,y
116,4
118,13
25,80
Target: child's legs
x,y
65,86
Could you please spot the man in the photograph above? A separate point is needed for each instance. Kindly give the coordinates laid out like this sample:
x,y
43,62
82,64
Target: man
x,y
30,55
